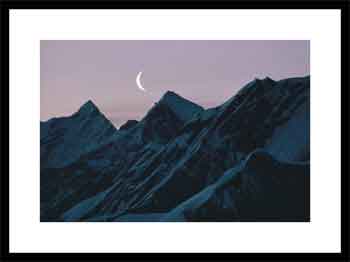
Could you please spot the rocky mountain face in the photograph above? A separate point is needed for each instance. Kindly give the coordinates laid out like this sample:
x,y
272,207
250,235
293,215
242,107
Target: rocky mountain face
x,y
64,140
245,160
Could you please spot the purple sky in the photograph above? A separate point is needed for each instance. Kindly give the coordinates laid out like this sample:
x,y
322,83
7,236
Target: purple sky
x,y
205,72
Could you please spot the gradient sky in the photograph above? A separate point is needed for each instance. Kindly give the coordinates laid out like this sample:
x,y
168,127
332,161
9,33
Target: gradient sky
x,y
205,72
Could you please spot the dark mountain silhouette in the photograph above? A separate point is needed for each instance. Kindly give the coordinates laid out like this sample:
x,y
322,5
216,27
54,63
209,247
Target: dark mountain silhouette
x,y
246,160
63,140
129,124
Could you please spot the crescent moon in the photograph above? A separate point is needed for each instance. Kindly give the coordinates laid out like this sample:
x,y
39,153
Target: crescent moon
x,y
138,82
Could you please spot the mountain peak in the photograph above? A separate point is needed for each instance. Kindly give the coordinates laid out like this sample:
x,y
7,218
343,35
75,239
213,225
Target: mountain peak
x,y
264,80
87,108
89,103
183,108
129,124
268,79
169,94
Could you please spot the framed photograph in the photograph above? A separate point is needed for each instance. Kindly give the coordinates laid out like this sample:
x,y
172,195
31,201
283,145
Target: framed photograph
x,y
154,130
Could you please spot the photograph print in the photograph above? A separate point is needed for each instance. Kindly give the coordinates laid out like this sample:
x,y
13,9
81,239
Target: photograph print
x,y
174,130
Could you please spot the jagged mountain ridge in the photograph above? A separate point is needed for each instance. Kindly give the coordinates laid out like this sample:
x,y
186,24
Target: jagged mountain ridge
x,y
63,140
147,172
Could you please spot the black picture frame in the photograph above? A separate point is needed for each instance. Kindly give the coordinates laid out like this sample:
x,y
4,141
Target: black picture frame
x,y
6,6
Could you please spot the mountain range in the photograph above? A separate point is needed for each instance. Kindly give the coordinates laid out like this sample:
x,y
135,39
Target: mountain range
x,y
247,159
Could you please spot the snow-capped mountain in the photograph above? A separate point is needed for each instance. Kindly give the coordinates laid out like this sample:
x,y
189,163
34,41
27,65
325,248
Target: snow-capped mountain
x,y
245,160
63,140
182,108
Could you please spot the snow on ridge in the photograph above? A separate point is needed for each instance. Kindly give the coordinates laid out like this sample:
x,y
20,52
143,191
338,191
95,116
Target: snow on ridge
x,y
65,139
147,167
182,107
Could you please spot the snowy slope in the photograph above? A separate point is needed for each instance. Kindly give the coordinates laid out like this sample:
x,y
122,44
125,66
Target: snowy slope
x,y
178,162
64,140
247,192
